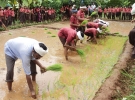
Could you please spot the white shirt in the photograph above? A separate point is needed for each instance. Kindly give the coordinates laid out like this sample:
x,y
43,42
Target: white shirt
x,y
21,48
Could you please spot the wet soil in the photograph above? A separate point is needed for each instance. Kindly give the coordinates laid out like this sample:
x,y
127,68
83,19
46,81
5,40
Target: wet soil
x,y
21,91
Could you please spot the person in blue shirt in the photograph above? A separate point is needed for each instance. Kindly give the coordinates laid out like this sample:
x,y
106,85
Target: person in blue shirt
x,y
29,51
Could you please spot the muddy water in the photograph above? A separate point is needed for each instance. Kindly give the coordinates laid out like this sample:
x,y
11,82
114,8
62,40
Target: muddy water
x,y
46,81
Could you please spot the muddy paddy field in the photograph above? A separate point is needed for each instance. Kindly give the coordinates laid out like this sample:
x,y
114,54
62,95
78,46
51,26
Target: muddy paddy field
x,y
79,80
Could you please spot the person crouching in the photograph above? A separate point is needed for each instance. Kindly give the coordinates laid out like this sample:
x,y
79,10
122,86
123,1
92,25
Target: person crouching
x,y
69,38
92,34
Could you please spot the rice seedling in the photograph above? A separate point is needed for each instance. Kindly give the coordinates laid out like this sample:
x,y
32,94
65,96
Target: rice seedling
x,y
43,95
33,32
68,93
45,28
36,89
53,36
81,54
49,33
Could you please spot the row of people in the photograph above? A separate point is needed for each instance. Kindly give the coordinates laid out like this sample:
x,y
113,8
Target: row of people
x,y
121,13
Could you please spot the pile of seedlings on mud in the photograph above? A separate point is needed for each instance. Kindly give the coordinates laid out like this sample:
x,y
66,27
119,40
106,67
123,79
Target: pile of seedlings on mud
x,y
126,84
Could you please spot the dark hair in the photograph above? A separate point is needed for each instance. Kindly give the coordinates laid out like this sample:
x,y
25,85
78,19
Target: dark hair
x,y
43,46
82,34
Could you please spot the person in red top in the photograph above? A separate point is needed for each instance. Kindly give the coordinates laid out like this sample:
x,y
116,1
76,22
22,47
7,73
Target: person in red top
x,y
81,17
105,12
13,15
100,12
92,33
113,10
6,15
93,25
68,38
2,24
73,20
2,15
124,13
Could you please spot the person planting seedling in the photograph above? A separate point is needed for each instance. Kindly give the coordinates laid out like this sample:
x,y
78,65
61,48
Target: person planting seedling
x,y
29,51
92,34
69,38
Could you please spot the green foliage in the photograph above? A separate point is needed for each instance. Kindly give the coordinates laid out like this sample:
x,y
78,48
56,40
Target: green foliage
x,y
3,3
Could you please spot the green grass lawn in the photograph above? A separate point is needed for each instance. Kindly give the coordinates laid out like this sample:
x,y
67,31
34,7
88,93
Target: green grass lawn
x,y
82,81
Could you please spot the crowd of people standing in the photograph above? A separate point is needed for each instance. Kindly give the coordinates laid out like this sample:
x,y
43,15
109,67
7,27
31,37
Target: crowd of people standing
x,y
8,15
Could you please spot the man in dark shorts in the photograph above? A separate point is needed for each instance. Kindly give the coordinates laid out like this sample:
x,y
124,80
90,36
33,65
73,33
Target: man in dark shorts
x,y
29,51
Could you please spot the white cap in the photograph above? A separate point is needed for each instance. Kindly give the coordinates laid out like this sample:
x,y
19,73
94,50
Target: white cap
x,y
40,50
100,31
133,11
79,35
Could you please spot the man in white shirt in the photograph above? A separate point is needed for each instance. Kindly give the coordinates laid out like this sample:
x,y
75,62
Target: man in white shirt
x,y
29,51
133,13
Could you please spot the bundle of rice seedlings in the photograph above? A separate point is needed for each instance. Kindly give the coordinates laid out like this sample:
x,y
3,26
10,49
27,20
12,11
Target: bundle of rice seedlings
x,y
81,54
55,67
84,22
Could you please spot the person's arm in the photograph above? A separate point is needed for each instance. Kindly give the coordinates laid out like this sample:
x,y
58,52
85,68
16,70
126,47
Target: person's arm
x,y
33,94
40,65
76,25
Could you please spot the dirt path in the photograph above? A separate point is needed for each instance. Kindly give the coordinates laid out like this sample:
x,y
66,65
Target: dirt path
x,y
20,86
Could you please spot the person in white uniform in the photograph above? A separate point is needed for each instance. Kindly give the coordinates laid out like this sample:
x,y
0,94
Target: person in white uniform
x,y
29,51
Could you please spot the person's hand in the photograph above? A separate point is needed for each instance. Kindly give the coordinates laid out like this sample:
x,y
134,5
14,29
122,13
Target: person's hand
x,y
33,95
43,69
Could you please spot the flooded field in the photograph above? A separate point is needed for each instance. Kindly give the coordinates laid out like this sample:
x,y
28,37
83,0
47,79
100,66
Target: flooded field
x,y
77,81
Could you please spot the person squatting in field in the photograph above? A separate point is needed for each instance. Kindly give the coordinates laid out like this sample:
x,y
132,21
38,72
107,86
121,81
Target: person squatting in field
x,y
69,38
29,51
92,34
